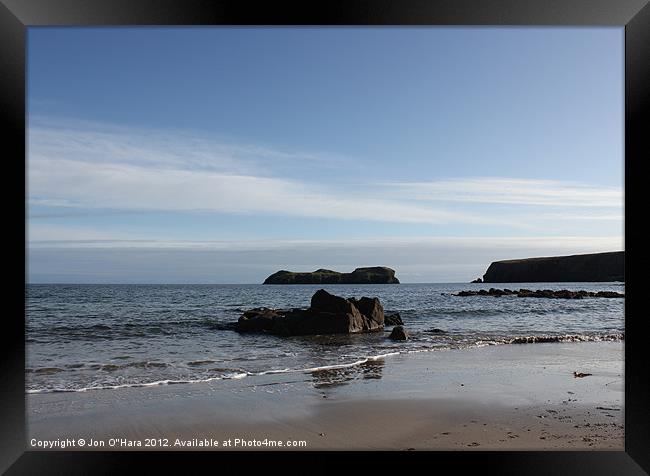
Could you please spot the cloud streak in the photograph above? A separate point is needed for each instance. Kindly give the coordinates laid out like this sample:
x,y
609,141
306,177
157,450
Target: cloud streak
x,y
56,237
89,166
130,187
144,171
511,191
92,142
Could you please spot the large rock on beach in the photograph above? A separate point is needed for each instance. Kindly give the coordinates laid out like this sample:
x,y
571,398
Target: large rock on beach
x,y
372,309
328,314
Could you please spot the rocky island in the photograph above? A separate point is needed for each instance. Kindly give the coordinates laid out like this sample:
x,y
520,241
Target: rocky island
x,y
371,275
596,267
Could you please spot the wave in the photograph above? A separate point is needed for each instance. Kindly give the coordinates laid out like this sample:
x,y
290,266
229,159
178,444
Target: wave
x,y
236,374
566,338
197,363
129,329
45,370
441,312
112,367
415,315
228,376
361,361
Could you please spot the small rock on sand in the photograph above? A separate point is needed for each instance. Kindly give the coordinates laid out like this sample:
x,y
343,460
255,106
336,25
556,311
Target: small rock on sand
x,y
580,375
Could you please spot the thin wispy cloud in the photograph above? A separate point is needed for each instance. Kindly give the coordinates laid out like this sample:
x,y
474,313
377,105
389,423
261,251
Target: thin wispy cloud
x,y
94,142
49,236
87,166
90,169
605,216
130,187
511,191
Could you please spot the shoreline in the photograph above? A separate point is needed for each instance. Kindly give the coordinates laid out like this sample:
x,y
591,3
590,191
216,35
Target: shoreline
x,y
363,360
493,397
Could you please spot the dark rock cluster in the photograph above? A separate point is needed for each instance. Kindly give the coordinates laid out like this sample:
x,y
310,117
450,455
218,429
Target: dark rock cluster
x,y
328,314
541,293
393,319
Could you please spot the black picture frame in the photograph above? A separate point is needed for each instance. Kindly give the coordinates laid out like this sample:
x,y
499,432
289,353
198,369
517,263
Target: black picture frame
x,y
17,15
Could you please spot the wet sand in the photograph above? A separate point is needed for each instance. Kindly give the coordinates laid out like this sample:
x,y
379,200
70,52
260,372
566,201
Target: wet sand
x,y
518,397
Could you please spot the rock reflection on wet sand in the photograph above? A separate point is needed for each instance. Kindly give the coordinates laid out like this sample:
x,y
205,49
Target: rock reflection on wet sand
x,y
341,376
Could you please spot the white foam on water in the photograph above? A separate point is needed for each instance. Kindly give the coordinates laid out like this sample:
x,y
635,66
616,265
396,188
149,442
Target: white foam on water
x,y
228,376
533,339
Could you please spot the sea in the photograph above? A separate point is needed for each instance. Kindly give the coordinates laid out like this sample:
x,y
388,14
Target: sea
x,y
107,337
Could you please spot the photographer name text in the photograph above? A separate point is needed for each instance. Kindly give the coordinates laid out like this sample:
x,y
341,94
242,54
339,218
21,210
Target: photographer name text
x,y
120,443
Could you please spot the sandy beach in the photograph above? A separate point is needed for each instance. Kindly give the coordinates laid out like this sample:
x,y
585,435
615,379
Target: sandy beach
x,y
518,397
398,238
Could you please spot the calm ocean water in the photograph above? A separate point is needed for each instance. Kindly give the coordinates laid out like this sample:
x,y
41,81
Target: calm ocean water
x,y
82,337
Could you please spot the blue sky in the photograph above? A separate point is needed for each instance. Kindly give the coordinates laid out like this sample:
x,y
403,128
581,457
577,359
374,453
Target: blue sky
x,y
223,154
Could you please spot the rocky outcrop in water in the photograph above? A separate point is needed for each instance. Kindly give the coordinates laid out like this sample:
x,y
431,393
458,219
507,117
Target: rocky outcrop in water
x,y
597,267
372,275
399,333
393,319
328,314
259,319
541,293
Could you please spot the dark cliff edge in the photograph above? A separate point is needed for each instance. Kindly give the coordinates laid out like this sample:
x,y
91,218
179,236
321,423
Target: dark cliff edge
x,y
373,275
596,267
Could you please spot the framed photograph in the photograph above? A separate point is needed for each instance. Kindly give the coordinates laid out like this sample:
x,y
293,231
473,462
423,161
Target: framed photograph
x,y
395,228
